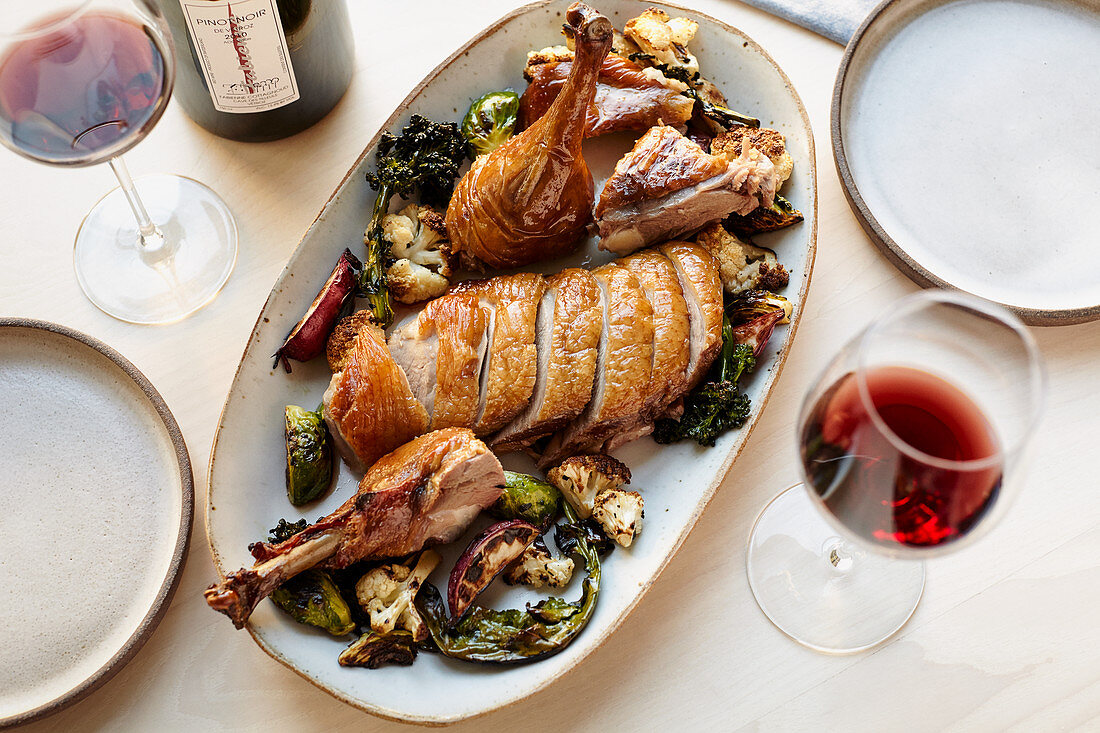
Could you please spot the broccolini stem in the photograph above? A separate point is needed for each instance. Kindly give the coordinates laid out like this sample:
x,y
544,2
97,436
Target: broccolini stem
x,y
728,345
372,282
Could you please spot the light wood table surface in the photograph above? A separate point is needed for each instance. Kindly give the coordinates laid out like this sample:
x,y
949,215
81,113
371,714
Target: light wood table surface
x,y
1007,636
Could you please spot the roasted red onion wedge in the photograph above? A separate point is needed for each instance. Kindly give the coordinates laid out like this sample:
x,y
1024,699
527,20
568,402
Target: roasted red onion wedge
x,y
487,556
756,332
307,339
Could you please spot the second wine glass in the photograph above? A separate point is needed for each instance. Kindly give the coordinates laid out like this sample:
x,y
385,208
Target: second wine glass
x,y
911,443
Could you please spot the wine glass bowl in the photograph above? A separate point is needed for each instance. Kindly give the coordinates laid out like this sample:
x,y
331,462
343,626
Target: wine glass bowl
x,y
911,443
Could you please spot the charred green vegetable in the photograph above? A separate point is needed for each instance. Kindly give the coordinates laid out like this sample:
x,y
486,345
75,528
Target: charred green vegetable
x,y
716,406
311,598
724,116
512,636
490,122
373,650
779,215
308,455
528,498
284,530
425,157
751,304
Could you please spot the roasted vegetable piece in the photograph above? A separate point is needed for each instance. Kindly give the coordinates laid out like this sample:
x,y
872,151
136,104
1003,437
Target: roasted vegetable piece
x,y
779,215
486,557
752,304
536,567
307,339
386,593
742,265
619,513
311,598
421,253
490,122
284,530
512,636
308,455
715,406
372,650
426,156
526,497
581,478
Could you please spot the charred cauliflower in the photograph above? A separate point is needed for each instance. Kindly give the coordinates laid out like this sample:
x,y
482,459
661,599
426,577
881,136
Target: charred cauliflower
x,y
387,593
742,265
767,141
418,242
581,478
664,38
536,567
619,512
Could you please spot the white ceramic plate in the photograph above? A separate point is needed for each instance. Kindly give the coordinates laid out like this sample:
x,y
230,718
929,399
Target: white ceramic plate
x,y
247,494
96,514
966,135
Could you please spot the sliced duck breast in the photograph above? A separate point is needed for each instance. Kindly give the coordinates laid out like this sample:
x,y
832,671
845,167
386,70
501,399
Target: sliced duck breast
x,y
624,365
452,333
569,323
508,372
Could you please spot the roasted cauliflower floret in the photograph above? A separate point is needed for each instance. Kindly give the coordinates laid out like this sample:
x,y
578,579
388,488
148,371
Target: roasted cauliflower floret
x,y
767,141
665,39
386,593
536,567
742,265
342,336
581,478
418,241
619,512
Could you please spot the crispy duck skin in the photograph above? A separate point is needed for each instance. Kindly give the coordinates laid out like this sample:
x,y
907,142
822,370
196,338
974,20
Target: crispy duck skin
x,y
531,198
369,407
425,492
626,97
702,288
508,372
570,319
442,351
667,187
624,366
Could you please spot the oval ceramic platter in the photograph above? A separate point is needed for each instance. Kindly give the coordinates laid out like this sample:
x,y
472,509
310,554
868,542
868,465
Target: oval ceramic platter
x,y
953,147
247,494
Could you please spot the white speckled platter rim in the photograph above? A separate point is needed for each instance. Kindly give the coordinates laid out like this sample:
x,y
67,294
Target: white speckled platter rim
x,y
807,237
187,499
884,19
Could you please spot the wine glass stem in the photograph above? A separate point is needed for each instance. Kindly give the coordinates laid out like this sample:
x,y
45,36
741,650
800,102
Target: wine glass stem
x,y
152,239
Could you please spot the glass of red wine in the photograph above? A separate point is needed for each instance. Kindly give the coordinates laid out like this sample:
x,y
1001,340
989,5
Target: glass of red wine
x,y
911,444
81,84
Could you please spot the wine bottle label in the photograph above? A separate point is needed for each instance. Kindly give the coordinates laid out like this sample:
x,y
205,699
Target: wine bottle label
x,y
240,46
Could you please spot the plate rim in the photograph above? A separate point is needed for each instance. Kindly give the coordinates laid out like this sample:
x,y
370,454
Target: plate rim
x,y
886,244
172,578
721,472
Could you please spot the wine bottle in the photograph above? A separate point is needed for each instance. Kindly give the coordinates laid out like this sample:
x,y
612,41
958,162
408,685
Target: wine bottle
x,y
257,70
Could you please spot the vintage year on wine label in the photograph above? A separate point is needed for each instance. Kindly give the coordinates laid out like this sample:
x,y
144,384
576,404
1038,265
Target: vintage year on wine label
x,y
243,53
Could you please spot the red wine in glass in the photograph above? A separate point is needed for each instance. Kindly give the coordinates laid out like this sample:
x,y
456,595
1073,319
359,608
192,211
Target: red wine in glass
x,y
928,483
83,92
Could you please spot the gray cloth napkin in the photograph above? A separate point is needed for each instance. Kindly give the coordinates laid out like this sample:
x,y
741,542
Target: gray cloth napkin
x,y
835,19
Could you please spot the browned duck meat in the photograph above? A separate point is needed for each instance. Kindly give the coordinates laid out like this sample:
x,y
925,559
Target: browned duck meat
x,y
570,319
624,366
531,198
442,351
369,407
508,370
425,492
628,97
667,187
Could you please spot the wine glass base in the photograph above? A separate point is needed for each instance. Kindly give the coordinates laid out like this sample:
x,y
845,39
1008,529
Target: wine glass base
x,y
156,284
820,590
